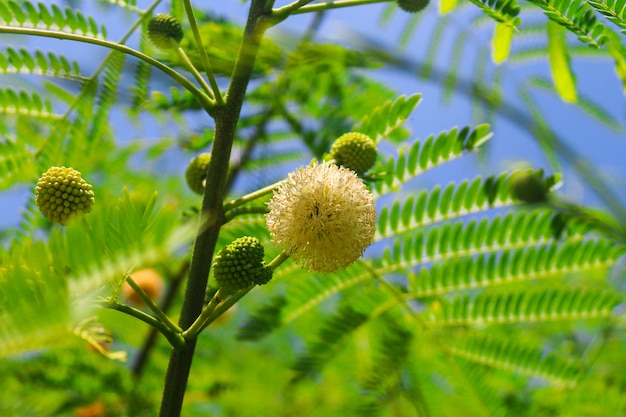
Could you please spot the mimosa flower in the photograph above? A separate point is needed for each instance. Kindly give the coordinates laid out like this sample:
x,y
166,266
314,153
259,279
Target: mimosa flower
x,y
323,216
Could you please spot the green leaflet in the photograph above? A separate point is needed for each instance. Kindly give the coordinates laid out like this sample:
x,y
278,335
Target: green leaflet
x,y
562,75
501,42
446,6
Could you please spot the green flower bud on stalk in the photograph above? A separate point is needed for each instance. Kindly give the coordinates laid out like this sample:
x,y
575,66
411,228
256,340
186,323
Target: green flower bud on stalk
x,y
527,186
196,172
165,31
412,6
62,195
355,151
240,265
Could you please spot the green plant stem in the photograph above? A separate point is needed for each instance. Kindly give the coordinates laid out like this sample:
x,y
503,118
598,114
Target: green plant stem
x,y
258,194
218,306
196,326
105,61
204,58
211,215
244,210
202,98
252,196
302,6
152,306
278,260
176,339
224,306
194,71
141,359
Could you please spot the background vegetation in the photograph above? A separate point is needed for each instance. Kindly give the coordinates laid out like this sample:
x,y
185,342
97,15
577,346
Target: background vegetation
x,y
469,302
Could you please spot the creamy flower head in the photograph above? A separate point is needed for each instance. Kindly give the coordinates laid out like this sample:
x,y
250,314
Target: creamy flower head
x,y
323,216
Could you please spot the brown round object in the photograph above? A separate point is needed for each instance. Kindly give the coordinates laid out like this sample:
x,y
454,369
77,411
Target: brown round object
x,y
149,281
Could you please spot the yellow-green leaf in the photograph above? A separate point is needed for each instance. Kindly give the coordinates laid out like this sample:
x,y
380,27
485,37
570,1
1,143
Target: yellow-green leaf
x,y
446,6
501,42
564,80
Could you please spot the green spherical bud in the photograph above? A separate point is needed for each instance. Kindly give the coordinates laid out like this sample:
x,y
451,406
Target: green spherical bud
x,y
412,6
165,31
240,265
196,172
355,151
62,195
527,186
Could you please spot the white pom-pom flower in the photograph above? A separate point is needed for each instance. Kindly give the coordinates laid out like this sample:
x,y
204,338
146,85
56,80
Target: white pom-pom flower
x,y
323,216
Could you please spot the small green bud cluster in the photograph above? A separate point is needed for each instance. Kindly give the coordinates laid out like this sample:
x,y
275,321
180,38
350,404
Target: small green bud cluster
x,y
165,31
355,151
196,172
62,194
240,265
527,186
412,6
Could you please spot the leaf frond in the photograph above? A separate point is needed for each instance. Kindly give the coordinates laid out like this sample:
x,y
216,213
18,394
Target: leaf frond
x,y
433,152
39,15
533,306
502,11
516,357
445,203
613,10
16,163
387,117
22,61
577,17
22,103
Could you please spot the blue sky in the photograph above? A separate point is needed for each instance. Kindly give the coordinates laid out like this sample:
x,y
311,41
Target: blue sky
x,y
511,144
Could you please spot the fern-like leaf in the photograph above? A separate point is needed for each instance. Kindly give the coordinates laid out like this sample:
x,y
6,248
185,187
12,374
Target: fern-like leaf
x,y
517,357
304,294
433,152
576,17
511,266
263,321
525,307
22,13
503,11
389,116
45,287
334,334
21,61
445,203
107,97
613,10
22,103
16,163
